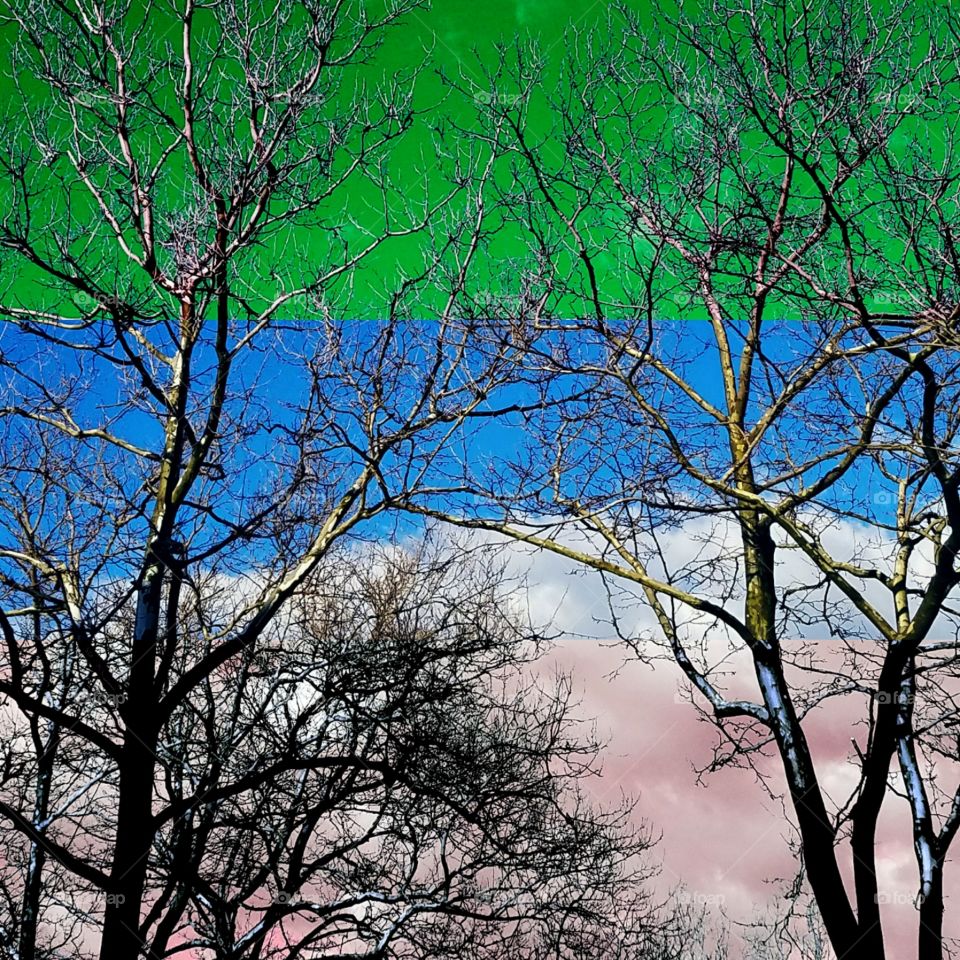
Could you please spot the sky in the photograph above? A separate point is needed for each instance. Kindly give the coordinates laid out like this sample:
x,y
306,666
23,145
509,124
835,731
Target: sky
x,y
452,38
721,838
724,842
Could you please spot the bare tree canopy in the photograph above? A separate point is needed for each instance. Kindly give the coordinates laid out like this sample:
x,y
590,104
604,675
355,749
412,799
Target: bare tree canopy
x,y
379,776
776,476
250,737
228,736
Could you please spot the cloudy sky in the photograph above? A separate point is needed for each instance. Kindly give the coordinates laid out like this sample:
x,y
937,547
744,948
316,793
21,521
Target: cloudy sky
x,y
725,839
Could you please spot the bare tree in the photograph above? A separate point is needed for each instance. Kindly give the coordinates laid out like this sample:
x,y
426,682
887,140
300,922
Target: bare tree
x,y
450,822
775,474
382,775
176,186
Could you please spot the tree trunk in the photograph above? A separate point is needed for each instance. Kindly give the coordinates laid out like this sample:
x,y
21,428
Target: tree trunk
x,y
135,832
33,885
866,811
817,835
930,943
46,762
816,829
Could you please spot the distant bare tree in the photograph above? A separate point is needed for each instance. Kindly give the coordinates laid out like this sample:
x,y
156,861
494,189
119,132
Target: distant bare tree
x,y
776,475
